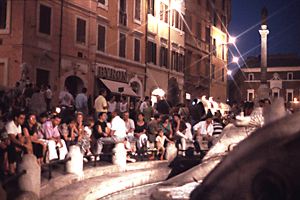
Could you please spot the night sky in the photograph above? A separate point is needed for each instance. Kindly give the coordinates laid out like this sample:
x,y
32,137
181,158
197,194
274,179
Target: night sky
x,y
283,24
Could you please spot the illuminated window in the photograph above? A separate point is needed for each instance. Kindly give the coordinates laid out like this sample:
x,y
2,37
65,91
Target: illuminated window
x,y
151,7
250,94
164,14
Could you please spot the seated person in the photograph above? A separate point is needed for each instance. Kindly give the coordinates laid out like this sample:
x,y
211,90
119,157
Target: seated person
x,y
4,143
160,141
53,139
204,131
140,132
17,141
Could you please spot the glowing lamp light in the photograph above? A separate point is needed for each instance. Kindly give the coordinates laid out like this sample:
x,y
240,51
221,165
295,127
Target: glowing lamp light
x,y
158,92
232,40
176,5
235,59
188,96
295,100
57,110
229,72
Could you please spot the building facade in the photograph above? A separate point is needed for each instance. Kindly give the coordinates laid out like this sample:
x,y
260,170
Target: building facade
x,y
283,78
206,48
133,47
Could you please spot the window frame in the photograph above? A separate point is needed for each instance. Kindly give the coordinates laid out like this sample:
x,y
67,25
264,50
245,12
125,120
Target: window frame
x,y
139,39
250,91
250,75
38,20
105,37
289,91
138,21
287,77
119,44
86,32
103,6
6,30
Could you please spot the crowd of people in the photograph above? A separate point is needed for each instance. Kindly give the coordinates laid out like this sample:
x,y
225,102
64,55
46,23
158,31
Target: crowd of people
x,y
31,125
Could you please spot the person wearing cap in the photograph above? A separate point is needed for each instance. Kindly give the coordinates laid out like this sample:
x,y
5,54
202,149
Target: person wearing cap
x,y
53,139
204,130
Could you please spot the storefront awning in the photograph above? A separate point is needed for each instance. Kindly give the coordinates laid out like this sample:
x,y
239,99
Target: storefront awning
x,y
114,86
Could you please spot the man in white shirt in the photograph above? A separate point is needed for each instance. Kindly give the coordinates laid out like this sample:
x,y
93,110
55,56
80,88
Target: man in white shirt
x,y
118,128
145,104
204,130
14,131
129,123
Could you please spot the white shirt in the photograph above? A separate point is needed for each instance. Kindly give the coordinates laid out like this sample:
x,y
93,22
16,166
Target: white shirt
x,y
118,125
160,139
12,128
112,106
201,127
65,98
130,125
88,131
100,104
143,106
123,107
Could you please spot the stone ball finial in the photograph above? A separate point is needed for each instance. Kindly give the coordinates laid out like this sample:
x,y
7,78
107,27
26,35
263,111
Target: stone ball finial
x,y
264,16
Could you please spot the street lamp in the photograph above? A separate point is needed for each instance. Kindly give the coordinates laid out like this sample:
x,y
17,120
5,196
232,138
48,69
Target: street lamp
x,y
229,72
235,59
232,40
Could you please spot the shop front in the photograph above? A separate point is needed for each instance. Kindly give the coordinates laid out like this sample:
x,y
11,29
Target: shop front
x,y
115,81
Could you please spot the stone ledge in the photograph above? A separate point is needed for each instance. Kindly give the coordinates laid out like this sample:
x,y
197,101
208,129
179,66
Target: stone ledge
x,y
59,182
98,187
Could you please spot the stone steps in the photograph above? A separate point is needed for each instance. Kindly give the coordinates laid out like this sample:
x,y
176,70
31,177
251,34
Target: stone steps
x,y
107,177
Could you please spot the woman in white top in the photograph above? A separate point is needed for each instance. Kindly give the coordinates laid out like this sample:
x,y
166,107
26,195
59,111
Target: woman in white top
x,y
123,105
112,105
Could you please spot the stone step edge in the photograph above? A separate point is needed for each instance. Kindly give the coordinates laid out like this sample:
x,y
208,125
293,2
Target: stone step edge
x,y
66,179
99,187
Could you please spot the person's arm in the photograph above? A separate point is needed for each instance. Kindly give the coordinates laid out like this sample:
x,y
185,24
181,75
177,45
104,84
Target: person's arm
x,y
14,140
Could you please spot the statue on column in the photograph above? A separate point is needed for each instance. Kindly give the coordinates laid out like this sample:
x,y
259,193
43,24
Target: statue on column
x,y
264,16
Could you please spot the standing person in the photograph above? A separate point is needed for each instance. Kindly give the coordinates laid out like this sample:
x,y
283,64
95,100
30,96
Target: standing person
x,y
100,104
144,105
112,105
123,105
17,141
48,97
148,112
37,104
65,98
132,111
140,132
53,139
30,132
81,102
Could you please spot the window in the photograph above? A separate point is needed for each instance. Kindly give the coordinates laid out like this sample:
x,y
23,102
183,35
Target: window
x,y
102,3
137,10
175,60
207,34
163,59
223,75
101,38
289,95
188,61
223,4
213,69
189,22
151,52
151,7
223,52
250,77
176,20
290,76
122,13
164,13
3,14
3,72
122,45
215,18
214,46
137,49
81,31
250,94
275,92
45,19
